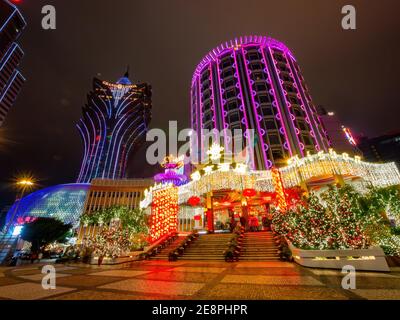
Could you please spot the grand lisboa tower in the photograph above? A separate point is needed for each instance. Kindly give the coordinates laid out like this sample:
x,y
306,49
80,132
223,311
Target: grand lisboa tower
x,y
254,82
113,126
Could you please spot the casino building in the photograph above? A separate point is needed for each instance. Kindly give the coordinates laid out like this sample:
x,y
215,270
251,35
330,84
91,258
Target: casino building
x,y
255,82
114,123
12,23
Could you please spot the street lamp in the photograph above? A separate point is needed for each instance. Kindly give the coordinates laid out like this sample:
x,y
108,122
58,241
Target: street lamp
x,y
23,184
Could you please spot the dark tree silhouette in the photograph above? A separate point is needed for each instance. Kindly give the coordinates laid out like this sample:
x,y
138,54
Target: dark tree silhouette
x,y
43,231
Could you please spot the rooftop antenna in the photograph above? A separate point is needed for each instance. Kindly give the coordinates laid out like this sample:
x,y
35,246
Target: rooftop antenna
x,y
126,75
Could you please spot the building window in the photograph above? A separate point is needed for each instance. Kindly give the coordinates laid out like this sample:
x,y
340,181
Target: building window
x,y
234,117
227,73
270,125
307,140
267,111
274,139
298,112
302,125
261,87
231,106
230,93
258,76
229,83
256,66
262,98
207,106
277,155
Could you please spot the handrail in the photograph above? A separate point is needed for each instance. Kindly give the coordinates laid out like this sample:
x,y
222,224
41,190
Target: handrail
x,y
180,250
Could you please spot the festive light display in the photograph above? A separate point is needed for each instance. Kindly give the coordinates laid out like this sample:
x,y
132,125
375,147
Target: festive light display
x,y
300,170
215,152
339,224
254,82
173,166
279,189
249,192
114,123
164,212
329,164
341,218
194,201
110,242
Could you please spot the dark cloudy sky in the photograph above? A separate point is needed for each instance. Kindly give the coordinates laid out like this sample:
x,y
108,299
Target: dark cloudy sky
x,y
355,73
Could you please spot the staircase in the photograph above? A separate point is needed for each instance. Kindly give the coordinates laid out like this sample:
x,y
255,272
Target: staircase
x,y
7,246
207,247
163,254
259,246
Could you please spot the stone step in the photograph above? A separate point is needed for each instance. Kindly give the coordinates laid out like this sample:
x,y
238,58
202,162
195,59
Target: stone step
x,y
259,250
259,258
207,247
259,246
202,258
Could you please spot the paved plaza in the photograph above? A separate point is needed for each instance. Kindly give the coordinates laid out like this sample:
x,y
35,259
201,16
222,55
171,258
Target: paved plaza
x,y
162,280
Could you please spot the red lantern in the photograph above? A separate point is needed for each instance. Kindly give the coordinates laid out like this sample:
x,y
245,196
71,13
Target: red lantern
x,y
194,201
249,192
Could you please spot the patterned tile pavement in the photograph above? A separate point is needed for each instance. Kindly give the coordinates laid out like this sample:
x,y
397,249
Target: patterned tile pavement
x,y
161,280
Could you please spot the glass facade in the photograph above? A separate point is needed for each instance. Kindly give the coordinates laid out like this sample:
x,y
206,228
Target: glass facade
x,y
62,202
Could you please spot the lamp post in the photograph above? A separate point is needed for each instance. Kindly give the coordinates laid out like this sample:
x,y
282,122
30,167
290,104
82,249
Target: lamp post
x,y
23,185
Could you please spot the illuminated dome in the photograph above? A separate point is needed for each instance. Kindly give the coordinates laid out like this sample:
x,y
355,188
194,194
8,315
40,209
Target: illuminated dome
x,y
174,167
63,202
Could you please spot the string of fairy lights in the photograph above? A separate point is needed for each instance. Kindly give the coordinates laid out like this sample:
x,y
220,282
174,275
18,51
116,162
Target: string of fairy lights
x,y
164,213
327,164
238,177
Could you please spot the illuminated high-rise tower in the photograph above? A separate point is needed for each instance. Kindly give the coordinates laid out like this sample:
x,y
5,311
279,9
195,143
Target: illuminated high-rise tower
x,y
114,124
11,80
255,83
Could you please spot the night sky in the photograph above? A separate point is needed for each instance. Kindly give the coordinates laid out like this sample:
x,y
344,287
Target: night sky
x,y
354,73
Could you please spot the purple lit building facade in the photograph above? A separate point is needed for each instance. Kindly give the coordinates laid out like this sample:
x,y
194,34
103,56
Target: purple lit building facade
x,y
255,83
12,24
114,124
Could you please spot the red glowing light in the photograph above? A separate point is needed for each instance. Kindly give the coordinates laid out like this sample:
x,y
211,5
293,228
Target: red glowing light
x,y
194,201
164,213
249,192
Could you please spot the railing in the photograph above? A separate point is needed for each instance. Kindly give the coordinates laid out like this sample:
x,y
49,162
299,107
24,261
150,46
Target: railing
x,y
156,247
233,251
173,255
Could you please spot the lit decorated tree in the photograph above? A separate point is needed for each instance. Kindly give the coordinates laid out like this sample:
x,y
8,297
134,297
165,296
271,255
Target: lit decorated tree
x,y
346,214
383,203
342,218
120,230
331,222
111,242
